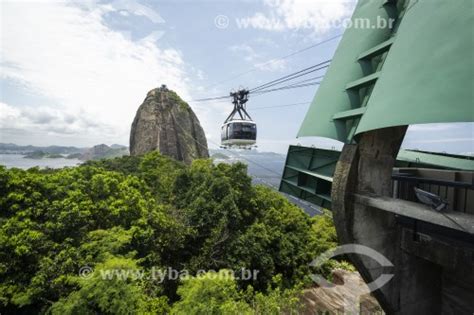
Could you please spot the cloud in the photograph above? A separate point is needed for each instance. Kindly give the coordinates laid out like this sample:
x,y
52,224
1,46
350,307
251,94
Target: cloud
x,y
272,65
441,137
244,50
262,21
47,120
258,60
66,53
431,127
281,145
447,140
317,16
125,7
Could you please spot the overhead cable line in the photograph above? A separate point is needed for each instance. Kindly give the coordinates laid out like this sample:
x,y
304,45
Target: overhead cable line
x,y
287,87
301,201
210,98
294,75
256,67
260,92
284,105
278,81
310,79
293,78
205,146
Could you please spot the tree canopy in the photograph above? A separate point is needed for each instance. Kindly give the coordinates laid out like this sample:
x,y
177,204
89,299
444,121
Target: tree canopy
x,y
147,213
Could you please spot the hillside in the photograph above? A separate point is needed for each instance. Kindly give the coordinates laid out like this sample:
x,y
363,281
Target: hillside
x,y
94,153
11,148
102,151
64,232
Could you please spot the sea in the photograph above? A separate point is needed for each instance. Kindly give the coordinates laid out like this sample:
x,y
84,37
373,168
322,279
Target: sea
x,y
18,161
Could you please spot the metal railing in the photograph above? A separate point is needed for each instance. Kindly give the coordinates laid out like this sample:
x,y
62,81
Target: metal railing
x,y
459,195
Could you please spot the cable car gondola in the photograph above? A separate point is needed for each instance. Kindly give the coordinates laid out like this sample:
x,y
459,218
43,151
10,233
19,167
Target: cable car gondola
x,y
239,130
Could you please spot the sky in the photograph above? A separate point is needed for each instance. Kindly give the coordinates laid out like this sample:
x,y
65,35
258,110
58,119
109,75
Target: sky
x,y
74,73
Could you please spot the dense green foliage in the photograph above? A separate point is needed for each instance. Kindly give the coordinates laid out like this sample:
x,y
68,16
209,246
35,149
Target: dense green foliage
x,y
141,213
218,293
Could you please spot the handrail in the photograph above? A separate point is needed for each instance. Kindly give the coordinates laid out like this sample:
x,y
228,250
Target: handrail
x,y
433,181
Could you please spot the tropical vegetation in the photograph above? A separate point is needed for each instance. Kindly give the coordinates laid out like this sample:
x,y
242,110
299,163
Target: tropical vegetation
x,y
90,239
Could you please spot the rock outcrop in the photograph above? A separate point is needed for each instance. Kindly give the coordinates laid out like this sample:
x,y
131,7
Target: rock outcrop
x,y
349,295
164,122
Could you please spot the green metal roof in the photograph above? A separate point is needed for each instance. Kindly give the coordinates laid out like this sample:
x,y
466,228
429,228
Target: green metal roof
x,y
428,75
436,160
423,70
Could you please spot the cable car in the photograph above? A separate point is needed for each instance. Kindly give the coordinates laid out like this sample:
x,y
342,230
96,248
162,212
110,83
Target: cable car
x,y
239,130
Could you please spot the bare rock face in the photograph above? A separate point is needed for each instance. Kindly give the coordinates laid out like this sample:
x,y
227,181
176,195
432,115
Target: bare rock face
x,y
349,295
164,122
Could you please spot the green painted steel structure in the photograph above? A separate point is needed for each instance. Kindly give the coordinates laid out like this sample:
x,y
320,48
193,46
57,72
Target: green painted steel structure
x,y
422,159
419,71
308,174
308,171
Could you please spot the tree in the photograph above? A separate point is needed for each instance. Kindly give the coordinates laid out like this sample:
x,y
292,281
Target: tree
x,y
113,288
210,294
144,212
215,293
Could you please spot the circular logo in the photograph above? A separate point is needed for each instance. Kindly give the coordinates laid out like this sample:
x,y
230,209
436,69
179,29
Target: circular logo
x,y
86,272
353,249
221,21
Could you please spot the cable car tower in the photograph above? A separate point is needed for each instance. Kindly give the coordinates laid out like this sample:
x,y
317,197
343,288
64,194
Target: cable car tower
x,y
239,130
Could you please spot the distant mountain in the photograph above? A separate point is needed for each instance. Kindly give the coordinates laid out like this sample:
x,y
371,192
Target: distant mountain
x,y
97,152
6,148
265,168
74,156
37,155
103,151
118,146
219,156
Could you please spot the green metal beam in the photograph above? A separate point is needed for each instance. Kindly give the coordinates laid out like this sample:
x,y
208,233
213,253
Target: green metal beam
x,y
348,114
377,50
332,98
363,82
